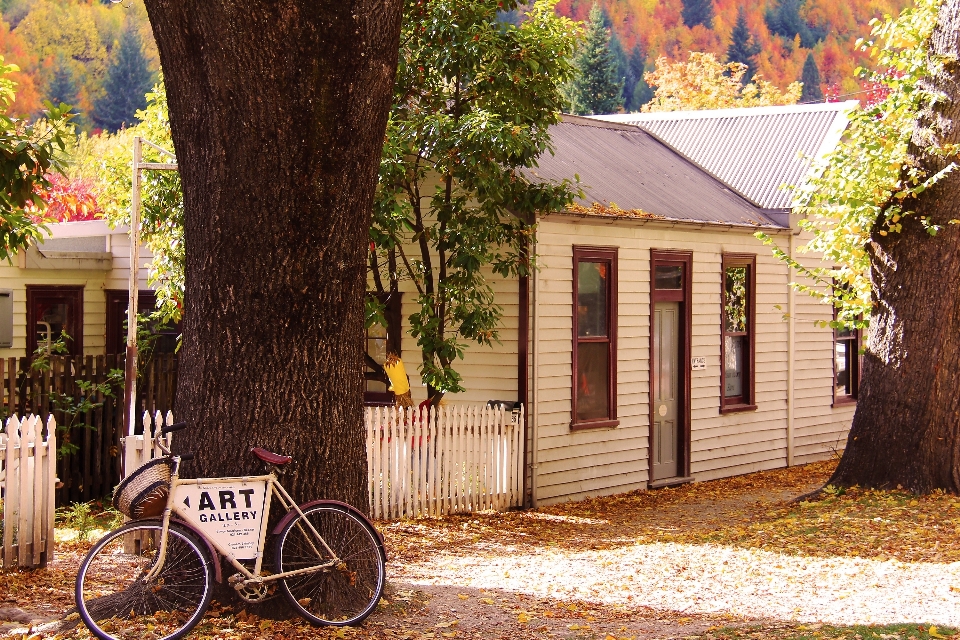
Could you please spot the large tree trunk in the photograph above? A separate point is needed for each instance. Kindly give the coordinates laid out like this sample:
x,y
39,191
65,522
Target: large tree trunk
x,y
906,430
278,110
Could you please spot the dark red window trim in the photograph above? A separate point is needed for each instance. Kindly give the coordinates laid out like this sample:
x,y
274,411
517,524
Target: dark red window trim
x,y
855,366
72,294
117,301
608,255
747,401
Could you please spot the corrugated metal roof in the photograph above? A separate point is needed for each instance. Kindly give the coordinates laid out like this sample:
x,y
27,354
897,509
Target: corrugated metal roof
x,y
759,150
626,166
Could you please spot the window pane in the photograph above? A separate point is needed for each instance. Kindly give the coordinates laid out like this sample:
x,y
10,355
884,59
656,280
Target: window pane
x,y
53,319
843,357
735,299
592,278
735,353
592,383
667,277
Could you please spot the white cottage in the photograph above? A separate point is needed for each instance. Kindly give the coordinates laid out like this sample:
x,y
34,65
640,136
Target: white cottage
x,y
660,342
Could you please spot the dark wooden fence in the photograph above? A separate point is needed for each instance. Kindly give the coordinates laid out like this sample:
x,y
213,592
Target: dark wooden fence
x,y
93,470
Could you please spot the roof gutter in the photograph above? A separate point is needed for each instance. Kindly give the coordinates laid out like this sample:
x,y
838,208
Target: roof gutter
x,y
691,225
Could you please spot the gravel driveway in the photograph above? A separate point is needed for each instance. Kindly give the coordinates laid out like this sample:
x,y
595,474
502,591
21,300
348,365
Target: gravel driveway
x,y
707,579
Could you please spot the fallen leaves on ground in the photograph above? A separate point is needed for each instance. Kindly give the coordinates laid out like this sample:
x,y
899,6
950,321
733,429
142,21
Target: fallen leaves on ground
x,y
752,512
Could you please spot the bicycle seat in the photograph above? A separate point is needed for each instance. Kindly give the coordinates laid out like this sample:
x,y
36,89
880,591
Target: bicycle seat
x,y
271,458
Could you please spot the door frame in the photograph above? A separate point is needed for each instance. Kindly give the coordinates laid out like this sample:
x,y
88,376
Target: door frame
x,y
684,297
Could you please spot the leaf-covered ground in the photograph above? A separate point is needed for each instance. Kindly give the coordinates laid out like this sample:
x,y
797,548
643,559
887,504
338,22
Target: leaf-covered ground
x,y
732,559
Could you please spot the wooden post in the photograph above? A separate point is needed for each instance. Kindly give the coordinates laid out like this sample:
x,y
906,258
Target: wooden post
x,y
130,364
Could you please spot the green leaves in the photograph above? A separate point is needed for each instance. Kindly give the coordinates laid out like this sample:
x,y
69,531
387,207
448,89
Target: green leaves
x,y
473,102
866,186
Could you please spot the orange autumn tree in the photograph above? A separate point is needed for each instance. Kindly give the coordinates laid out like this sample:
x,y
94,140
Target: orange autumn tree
x,y
70,199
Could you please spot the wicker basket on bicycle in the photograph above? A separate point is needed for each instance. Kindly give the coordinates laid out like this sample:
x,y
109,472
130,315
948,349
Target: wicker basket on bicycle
x,y
143,494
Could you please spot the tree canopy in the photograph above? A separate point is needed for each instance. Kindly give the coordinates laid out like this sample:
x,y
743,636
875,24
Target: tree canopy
x,y
596,87
128,80
697,12
473,104
811,81
869,176
743,46
27,153
705,83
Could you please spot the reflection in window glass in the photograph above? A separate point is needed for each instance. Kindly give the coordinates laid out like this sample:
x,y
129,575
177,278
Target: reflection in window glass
x,y
592,390
735,300
735,348
53,319
377,349
592,299
668,277
843,367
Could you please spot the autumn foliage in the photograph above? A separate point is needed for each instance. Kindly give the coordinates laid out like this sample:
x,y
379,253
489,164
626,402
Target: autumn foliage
x,y
658,27
71,199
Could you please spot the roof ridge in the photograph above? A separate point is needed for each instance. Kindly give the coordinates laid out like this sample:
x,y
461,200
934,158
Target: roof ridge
x,y
738,112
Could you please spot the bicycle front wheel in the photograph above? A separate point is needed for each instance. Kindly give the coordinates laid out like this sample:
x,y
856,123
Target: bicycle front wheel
x,y
346,590
116,600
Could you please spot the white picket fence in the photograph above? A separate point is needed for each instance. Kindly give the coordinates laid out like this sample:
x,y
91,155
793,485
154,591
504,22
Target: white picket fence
x,y
28,479
426,462
439,461
140,449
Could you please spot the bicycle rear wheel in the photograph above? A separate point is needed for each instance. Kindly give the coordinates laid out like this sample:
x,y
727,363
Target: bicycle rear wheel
x,y
346,592
114,599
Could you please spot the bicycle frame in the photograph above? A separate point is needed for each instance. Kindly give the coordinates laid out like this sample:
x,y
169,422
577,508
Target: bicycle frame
x,y
273,487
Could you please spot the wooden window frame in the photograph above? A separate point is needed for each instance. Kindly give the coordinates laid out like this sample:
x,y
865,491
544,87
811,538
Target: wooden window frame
x,y
855,369
610,256
393,313
748,400
76,293
684,296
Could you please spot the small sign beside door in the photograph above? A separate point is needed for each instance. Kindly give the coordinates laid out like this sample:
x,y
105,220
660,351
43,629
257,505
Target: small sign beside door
x,y
698,364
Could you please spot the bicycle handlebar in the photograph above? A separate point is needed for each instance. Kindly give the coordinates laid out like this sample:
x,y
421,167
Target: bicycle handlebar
x,y
176,426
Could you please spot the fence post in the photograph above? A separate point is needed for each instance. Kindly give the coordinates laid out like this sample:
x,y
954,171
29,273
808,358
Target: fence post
x,y
11,508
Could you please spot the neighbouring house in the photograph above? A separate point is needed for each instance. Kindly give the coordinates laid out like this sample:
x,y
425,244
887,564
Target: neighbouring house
x,y
659,341
76,280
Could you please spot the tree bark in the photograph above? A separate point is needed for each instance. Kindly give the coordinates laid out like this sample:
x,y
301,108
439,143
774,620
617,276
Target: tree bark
x,y
278,111
906,430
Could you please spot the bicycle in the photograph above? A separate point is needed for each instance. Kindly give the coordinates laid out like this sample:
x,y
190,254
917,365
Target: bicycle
x,y
157,571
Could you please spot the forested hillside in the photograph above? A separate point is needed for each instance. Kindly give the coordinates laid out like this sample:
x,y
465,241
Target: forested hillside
x,y
100,56
783,32
95,55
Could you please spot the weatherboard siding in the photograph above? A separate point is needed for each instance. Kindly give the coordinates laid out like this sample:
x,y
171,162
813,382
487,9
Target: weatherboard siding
x,y
578,464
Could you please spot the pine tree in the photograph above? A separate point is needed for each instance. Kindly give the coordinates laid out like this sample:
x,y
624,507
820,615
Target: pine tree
x,y
697,12
621,64
62,87
743,47
636,91
596,88
785,21
127,83
811,81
